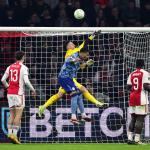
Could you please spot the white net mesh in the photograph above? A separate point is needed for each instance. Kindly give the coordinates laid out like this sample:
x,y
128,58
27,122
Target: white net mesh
x,y
105,80
114,55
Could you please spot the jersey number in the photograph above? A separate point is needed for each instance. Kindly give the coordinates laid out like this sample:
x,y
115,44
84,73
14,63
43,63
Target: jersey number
x,y
136,83
14,75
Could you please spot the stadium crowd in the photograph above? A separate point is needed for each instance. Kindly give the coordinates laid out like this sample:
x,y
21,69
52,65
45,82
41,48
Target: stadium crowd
x,y
99,13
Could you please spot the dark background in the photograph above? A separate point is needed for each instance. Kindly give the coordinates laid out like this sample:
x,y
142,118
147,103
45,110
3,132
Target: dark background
x,y
59,13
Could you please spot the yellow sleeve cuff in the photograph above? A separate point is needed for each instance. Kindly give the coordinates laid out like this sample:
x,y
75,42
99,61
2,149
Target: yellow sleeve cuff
x,y
91,37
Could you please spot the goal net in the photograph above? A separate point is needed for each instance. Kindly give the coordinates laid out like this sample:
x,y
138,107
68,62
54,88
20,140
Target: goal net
x,y
114,54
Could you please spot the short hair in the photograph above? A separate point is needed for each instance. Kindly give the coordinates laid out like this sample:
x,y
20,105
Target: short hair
x,y
19,55
67,42
84,50
140,63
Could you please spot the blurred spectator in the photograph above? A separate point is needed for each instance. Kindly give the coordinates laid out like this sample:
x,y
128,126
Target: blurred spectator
x,y
23,12
100,19
146,14
132,14
62,20
46,19
34,21
102,3
113,13
114,18
39,6
10,18
2,11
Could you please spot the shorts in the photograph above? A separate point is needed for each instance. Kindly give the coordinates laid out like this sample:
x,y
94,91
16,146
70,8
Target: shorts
x,y
67,84
78,85
139,110
16,100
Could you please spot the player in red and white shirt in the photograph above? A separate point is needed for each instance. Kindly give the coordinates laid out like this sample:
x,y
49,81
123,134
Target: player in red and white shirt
x,y
17,74
139,85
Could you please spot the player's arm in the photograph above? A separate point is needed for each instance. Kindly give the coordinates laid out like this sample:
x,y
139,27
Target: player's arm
x,y
146,82
129,84
27,82
146,86
29,85
4,78
90,38
73,59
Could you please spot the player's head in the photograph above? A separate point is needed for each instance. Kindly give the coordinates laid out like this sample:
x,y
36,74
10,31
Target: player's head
x,y
84,54
20,56
70,45
140,63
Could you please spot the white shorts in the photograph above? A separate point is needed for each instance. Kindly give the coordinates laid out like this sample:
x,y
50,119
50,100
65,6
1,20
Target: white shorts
x,y
139,110
16,100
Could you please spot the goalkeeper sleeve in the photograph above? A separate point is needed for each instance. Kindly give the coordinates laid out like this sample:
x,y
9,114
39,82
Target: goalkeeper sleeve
x,y
90,38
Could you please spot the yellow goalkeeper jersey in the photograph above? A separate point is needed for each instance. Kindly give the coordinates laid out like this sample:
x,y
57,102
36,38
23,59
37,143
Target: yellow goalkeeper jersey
x,y
77,49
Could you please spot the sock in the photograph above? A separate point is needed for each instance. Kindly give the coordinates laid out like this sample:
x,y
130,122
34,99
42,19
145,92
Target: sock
x,y
15,130
10,130
83,115
51,100
90,97
74,105
137,138
130,136
80,104
73,116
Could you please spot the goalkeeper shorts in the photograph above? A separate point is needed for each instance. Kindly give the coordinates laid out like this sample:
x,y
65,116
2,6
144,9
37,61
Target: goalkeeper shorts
x,y
67,84
78,85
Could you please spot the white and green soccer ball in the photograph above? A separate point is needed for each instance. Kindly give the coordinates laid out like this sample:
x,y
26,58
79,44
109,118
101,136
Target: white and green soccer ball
x,y
79,14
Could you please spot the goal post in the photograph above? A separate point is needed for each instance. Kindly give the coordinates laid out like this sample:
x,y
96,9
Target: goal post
x,y
114,51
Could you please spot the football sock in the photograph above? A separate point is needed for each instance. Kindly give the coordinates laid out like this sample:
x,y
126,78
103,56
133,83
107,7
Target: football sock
x,y
74,105
137,138
80,103
130,136
15,130
10,130
51,100
89,97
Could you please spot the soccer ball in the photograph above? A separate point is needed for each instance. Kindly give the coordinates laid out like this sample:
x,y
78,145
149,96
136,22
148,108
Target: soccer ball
x,y
79,14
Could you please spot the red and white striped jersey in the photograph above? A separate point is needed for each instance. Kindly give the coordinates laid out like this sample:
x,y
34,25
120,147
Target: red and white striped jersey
x,y
16,74
138,96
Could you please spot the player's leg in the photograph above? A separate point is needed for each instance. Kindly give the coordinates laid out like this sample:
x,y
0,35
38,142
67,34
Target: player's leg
x,y
10,122
141,112
19,102
55,97
74,106
51,101
138,128
69,86
11,104
130,132
81,108
87,94
16,123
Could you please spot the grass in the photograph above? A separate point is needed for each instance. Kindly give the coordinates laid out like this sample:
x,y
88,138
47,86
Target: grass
x,y
74,147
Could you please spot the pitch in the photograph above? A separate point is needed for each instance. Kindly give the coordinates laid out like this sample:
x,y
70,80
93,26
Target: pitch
x,y
74,147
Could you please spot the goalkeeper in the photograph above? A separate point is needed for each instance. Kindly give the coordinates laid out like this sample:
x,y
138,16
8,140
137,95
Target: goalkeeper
x,y
67,77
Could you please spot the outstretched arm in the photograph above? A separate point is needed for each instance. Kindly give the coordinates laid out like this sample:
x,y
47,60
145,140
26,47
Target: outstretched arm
x,y
90,38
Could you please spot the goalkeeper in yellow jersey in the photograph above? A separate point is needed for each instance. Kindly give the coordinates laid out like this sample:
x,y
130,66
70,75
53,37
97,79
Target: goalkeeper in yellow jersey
x,y
71,51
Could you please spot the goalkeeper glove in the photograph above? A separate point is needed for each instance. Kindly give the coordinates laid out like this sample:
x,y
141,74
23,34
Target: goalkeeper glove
x,y
94,34
90,62
97,32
